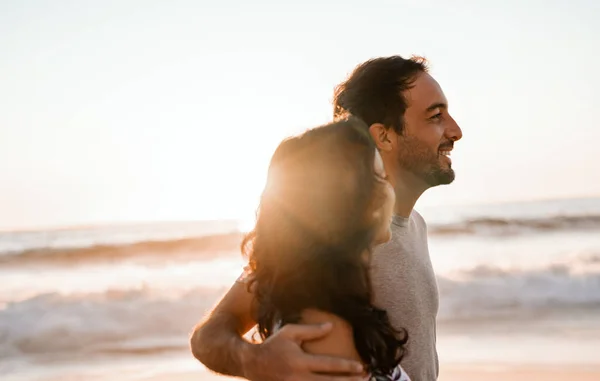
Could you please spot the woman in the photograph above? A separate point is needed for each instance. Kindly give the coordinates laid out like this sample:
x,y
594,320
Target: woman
x,y
325,206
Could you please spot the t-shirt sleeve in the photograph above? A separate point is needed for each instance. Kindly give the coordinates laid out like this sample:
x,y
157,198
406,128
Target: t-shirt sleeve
x,y
419,219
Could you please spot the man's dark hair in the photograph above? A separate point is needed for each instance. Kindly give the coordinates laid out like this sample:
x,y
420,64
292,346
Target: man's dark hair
x,y
374,90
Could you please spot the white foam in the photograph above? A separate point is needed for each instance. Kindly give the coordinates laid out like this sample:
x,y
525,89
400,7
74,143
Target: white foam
x,y
113,320
487,291
162,319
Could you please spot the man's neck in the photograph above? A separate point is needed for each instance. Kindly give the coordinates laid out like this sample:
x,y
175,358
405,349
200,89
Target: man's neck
x,y
408,189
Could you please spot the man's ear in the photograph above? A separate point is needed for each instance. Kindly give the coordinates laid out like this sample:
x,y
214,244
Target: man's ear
x,y
382,136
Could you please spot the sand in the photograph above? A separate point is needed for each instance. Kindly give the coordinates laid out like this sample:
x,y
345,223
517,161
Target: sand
x,y
520,373
449,373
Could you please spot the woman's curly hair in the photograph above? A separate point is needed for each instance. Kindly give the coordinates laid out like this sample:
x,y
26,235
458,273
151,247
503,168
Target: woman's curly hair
x,y
307,249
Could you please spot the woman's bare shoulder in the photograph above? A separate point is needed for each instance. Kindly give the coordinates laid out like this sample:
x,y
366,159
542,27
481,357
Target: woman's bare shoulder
x,y
339,342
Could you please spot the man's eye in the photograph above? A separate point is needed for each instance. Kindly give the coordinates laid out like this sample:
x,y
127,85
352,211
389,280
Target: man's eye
x,y
436,116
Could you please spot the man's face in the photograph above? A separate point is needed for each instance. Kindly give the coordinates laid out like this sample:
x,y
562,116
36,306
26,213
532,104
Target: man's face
x,y
429,133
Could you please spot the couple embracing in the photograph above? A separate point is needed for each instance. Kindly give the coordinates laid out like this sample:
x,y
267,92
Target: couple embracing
x,y
339,279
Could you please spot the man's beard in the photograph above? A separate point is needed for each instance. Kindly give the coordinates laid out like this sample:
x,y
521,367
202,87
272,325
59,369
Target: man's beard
x,y
418,159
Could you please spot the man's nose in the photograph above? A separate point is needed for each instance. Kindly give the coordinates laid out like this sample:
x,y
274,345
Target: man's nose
x,y
453,131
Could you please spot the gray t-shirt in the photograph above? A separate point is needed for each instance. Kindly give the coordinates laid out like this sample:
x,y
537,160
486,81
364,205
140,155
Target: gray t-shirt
x,y
404,284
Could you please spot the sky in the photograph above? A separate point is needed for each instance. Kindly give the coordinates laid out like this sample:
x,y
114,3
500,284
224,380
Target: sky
x,y
131,111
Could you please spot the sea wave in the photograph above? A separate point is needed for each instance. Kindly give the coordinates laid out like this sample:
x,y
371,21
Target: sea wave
x,y
108,246
144,321
191,248
111,322
16,242
512,226
487,291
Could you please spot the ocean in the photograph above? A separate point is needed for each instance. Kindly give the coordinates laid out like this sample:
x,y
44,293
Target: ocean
x,y
519,284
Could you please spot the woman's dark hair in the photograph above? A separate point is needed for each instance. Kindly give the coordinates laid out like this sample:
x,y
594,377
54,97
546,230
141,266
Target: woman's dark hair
x,y
374,90
307,249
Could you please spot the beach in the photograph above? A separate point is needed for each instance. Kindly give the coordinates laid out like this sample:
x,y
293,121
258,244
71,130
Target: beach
x,y
452,373
519,295
449,373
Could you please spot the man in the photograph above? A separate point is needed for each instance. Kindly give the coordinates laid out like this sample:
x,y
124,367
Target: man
x,y
407,115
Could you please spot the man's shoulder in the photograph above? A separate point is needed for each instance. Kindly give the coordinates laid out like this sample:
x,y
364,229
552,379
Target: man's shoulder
x,y
418,219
